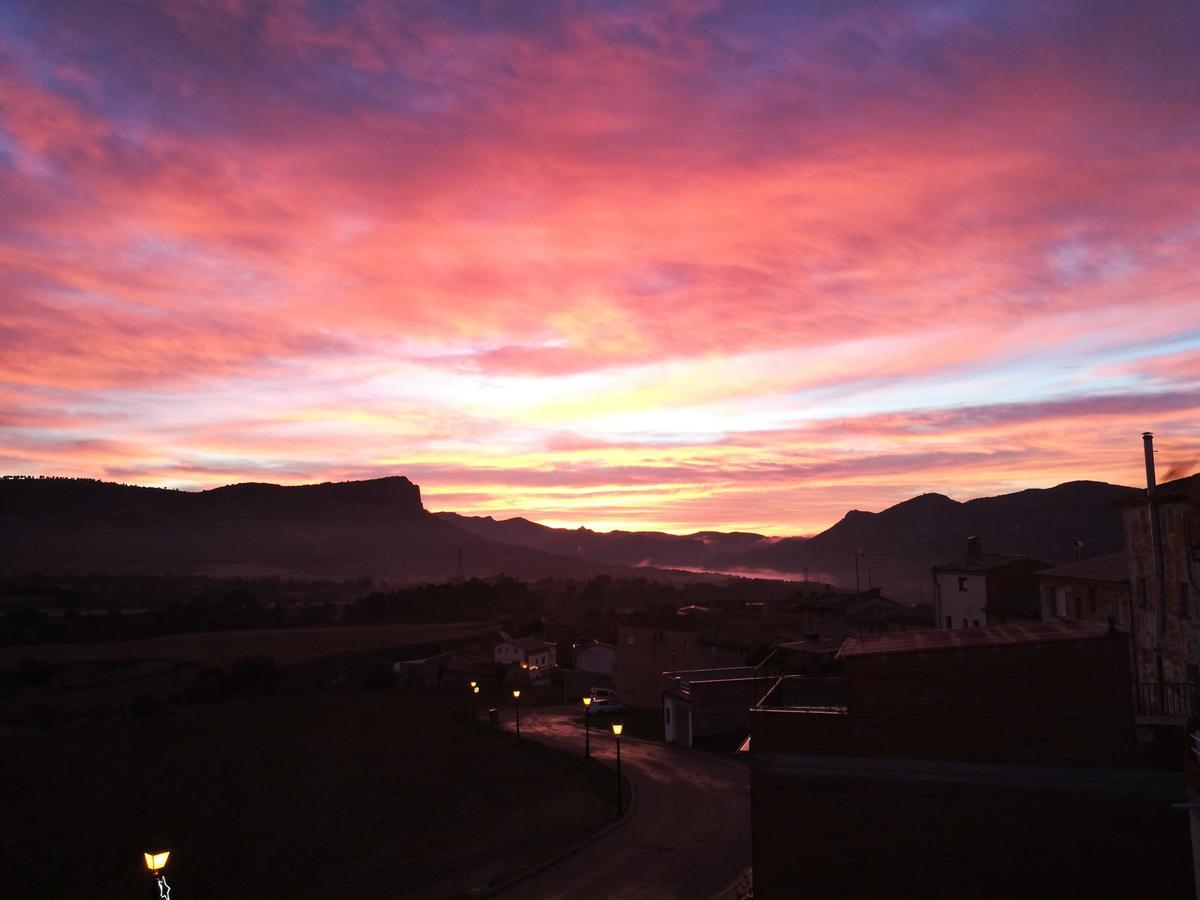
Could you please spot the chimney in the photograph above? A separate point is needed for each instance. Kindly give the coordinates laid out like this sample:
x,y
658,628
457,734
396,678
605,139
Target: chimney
x,y
1148,447
974,548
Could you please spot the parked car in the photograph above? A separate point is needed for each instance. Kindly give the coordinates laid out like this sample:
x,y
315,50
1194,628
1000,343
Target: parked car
x,y
602,706
603,694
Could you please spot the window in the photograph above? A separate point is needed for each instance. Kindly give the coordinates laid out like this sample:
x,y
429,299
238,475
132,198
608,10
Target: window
x,y
949,622
964,622
974,623
1193,673
1185,601
1092,600
630,641
1141,591
667,714
687,645
962,583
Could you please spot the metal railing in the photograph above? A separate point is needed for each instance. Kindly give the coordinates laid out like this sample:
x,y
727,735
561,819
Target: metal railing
x,y
1174,700
805,692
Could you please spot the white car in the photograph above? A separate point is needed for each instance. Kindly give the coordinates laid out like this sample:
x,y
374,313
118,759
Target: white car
x,y
603,707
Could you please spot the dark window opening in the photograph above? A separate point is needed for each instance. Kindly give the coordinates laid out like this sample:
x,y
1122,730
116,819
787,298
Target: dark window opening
x,y
962,584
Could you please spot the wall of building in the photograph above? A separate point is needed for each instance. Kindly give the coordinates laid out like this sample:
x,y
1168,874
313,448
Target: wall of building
x,y
961,605
1084,599
854,835
1181,646
645,652
509,653
597,658
722,707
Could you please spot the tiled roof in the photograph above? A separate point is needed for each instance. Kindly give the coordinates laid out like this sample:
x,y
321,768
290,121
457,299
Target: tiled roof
x,y
531,644
921,613
967,638
1110,567
983,562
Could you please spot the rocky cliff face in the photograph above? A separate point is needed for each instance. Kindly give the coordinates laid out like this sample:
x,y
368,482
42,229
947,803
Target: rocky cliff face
x,y
376,527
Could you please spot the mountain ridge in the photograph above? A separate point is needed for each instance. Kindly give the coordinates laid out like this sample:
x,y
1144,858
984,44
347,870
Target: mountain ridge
x,y
380,526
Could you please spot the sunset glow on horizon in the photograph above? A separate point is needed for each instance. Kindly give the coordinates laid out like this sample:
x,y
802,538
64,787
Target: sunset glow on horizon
x,y
682,266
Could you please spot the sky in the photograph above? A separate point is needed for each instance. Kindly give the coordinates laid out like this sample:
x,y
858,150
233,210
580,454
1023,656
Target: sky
x,y
618,264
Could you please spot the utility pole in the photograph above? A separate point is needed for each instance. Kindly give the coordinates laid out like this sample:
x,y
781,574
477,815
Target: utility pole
x,y
858,554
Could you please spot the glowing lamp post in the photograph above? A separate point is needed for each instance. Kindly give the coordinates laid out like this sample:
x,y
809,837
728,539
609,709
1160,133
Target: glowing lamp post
x,y
587,728
156,861
517,710
617,729
474,694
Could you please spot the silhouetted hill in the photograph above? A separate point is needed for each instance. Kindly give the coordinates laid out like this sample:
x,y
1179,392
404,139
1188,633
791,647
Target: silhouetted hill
x,y
380,528
902,542
374,527
898,544
705,549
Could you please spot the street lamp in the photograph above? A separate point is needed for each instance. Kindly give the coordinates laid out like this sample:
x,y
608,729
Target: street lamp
x,y
156,861
617,729
474,693
587,728
517,710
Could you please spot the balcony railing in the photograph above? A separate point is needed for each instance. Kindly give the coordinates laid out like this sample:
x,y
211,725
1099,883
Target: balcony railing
x,y
805,692
1172,700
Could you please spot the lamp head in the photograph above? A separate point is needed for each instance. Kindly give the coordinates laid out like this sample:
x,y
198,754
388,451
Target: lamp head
x,y
475,688
587,701
156,860
618,728
516,694
474,684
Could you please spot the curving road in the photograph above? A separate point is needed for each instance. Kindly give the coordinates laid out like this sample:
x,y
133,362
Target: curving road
x,y
688,838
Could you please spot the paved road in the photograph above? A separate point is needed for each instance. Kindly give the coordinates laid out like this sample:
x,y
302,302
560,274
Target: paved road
x,y
689,836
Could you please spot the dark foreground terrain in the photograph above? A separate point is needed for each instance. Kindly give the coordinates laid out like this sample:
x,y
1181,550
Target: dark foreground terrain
x,y
385,793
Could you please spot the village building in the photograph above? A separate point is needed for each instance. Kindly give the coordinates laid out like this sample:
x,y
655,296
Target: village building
x,y
995,761
1095,590
597,658
1162,538
986,589
649,645
834,616
527,651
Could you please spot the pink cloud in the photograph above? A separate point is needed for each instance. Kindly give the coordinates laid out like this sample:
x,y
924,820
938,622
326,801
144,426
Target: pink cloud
x,y
253,200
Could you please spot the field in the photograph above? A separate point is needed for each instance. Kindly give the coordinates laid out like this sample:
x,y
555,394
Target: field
x,y
220,648
391,793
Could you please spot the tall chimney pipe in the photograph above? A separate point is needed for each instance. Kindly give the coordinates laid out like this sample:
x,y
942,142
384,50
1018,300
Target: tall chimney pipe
x,y
1160,573
1148,448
